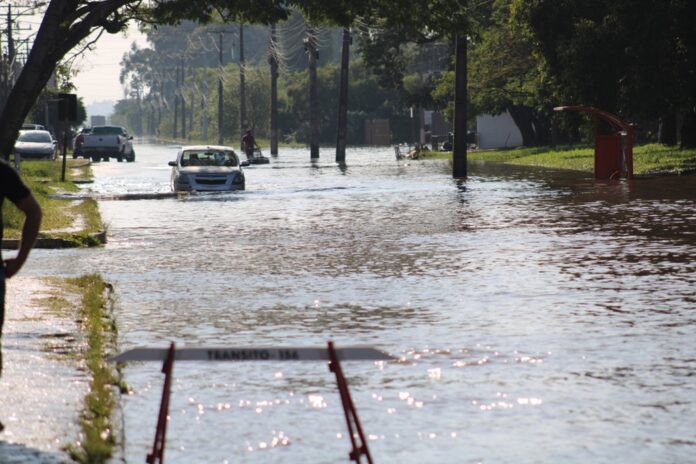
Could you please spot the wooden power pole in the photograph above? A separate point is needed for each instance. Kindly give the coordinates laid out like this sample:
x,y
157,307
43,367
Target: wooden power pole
x,y
460,82
343,100
311,49
243,123
220,71
273,60
176,105
182,96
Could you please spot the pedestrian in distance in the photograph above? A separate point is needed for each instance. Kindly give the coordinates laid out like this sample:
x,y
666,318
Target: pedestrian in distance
x,y
248,144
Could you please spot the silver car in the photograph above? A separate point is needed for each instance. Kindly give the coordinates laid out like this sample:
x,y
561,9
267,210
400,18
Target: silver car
x,y
35,144
207,168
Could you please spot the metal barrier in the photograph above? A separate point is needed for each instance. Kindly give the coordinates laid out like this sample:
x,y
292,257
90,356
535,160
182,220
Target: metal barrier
x,y
330,354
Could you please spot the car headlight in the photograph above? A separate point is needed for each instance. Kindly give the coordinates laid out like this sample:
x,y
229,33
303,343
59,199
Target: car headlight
x,y
238,179
182,178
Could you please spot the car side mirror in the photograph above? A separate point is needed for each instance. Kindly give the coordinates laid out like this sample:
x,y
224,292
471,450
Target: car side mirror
x,y
245,163
172,164
130,137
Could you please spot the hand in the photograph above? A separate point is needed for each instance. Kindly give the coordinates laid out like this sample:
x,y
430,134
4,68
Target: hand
x,y
12,267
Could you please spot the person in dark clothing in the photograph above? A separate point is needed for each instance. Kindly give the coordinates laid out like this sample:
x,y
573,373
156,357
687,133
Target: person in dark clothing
x,y
12,188
248,144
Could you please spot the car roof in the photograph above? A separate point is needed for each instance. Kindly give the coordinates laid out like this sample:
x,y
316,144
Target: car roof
x,y
35,131
206,147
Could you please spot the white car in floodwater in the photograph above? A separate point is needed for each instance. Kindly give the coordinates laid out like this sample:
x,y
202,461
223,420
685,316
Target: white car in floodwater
x,y
207,168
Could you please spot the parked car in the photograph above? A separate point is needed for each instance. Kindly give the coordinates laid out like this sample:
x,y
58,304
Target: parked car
x,y
207,168
38,144
105,142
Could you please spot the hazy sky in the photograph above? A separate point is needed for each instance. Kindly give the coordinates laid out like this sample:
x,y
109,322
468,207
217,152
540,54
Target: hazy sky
x,y
99,69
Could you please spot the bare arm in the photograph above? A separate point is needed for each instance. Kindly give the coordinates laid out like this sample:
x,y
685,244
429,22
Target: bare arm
x,y
32,221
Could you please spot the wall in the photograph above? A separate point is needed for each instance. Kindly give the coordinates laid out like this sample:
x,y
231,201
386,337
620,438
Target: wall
x,y
498,131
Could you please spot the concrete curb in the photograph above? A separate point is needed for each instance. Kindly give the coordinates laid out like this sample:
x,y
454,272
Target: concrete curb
x,y
52,242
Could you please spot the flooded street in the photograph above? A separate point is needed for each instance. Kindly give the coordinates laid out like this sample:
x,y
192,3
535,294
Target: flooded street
x,y
539,315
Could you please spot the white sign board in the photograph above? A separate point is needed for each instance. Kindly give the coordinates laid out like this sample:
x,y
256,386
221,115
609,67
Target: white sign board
x,y
348,353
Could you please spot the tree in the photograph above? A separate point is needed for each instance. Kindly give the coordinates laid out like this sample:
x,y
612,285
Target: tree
x,y
636,57
505,75
66,23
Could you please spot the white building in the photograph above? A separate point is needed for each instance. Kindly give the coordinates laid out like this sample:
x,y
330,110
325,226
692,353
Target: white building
x,y
498,131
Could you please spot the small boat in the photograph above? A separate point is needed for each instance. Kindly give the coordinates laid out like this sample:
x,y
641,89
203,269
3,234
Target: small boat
x,y
258,158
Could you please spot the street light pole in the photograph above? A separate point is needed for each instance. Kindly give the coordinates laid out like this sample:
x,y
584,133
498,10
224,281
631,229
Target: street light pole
x,y
220,137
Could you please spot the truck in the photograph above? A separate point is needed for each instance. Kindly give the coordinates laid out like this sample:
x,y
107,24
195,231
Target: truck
x,y
103,143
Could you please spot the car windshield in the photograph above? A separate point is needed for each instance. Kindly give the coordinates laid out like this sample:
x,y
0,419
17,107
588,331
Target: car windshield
x,y
39,137
209,158
107,130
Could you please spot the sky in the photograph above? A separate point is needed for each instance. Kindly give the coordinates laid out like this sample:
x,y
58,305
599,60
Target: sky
x,y
97,79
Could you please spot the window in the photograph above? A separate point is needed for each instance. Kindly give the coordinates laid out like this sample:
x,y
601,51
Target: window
x,y
209,158
37,137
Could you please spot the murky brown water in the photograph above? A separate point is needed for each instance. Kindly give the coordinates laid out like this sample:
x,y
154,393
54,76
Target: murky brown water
x,y
540,315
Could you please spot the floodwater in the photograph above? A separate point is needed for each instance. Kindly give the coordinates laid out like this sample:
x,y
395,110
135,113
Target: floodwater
x,y
538,315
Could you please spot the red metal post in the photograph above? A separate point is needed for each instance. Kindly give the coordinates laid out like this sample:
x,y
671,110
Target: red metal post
x,y
613,152
157,454
351,414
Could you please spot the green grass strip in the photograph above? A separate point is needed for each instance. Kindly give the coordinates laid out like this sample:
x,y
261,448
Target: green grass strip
x,y
649,159
99,440
43,178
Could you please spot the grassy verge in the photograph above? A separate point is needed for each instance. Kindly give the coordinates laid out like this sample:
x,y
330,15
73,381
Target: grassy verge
x,y
44,179
648,159
100,330
97,328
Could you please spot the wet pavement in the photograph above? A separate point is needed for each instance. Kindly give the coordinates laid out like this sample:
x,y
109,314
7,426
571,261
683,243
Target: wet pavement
x,y
42,385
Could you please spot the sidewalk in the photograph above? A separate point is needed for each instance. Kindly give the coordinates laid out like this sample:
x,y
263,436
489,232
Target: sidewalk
x,y
42,386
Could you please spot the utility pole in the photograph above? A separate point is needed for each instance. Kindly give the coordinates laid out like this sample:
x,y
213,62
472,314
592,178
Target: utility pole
x,y
139,129
243,123
460,83
312,51
9,62
273,60
176,105
183,102
343,100
192,113
204,112
220,71
11,53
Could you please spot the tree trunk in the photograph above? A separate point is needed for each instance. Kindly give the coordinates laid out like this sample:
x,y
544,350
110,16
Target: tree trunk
x,y
523,118
667,130
60,31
